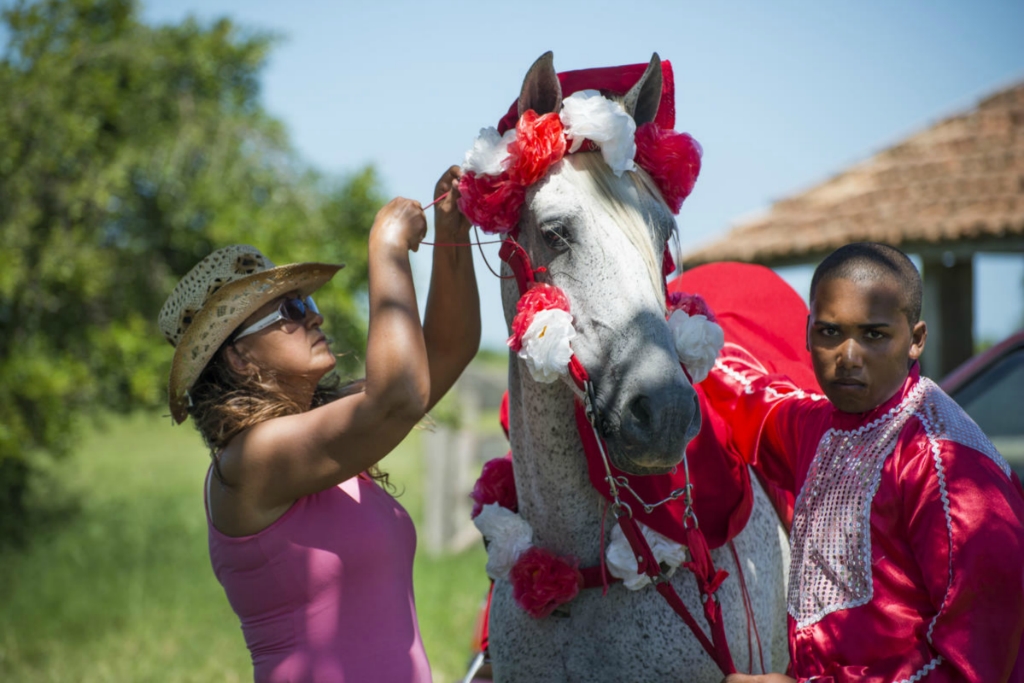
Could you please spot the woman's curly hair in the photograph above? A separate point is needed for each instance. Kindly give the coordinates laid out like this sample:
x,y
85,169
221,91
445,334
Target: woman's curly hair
x,y
223,403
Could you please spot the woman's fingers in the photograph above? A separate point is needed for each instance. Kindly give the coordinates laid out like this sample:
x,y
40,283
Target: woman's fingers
x,y
448,220
403,221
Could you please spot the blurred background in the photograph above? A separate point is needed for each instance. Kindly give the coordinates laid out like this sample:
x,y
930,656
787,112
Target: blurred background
x,y
136,137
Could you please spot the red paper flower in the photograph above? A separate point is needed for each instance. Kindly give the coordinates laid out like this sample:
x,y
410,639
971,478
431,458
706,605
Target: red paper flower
x,y
539,144
672,159
690,304
541,581
540,297
497,484
492,202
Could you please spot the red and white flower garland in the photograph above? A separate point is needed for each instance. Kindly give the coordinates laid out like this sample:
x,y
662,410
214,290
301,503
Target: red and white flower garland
x,y
498,168
541,580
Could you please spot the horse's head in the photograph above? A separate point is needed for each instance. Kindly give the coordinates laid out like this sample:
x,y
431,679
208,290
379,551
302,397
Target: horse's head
x,y
601,236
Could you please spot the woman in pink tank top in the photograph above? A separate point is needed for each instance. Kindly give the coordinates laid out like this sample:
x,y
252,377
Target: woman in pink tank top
x,y
314,556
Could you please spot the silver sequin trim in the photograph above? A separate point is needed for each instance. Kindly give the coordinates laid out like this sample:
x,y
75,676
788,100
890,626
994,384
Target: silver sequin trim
x,y
944,420
831,541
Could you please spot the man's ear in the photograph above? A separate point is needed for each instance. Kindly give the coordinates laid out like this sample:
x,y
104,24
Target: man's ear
x,y
918,336
807,333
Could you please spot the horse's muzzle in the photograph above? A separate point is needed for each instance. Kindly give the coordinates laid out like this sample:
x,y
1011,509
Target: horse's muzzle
x,y
653,428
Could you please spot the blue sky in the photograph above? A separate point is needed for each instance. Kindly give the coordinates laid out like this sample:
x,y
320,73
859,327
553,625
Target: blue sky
x,y
781,95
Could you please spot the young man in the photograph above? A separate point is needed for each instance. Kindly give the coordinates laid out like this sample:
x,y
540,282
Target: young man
x,y
907,536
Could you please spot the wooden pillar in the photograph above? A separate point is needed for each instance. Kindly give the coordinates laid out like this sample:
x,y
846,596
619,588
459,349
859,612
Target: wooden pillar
x,y
948,309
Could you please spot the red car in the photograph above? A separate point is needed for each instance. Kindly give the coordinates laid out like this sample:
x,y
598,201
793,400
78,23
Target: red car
x,y
990,388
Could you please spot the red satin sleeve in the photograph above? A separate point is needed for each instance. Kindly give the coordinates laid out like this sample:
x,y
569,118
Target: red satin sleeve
x,y
773,423
964,518
966,536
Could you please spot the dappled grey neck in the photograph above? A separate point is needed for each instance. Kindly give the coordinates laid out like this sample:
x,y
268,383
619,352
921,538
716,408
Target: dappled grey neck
x,y
555,495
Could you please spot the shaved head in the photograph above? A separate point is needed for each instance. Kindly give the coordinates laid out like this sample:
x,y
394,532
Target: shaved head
x,y
874,262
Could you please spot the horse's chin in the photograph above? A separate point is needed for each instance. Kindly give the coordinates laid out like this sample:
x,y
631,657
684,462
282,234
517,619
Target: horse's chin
x,y
642,467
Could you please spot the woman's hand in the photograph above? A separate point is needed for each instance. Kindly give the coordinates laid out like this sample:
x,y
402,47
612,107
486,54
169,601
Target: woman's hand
x,y
449,223
401,222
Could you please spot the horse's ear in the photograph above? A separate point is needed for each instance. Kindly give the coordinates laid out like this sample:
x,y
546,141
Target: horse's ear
x,y
541,90
642,100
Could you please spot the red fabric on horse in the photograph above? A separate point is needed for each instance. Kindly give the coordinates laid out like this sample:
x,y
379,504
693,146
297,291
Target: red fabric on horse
x,y
615,80
759,311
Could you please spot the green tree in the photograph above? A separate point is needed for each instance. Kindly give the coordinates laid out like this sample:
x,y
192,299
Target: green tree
x,y
128,152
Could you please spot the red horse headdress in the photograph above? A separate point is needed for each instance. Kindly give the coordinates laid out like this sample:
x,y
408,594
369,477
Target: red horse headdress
x,y
504,161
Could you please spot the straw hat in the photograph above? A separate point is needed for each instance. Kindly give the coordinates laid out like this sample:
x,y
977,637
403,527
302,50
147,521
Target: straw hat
x,y
215,297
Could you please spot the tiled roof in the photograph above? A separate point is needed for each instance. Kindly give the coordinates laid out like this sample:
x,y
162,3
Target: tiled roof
x,y
961,179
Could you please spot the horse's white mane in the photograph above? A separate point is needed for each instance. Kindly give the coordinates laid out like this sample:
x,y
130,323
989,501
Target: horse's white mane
x,y
590,173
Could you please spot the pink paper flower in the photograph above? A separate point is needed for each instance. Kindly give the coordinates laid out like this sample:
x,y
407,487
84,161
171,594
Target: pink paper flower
x,y
492,202
540,297
538,145
672,159
497,484
690,304
541,581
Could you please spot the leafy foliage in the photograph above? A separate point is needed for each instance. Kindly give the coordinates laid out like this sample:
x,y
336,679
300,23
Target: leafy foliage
x,y
127,153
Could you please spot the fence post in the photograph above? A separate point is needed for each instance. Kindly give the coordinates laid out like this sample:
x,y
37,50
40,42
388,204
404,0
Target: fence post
x,y
453,458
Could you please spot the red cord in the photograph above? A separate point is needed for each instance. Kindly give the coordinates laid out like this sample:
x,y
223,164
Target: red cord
x,y
457,244
604,575
484,257
439,198
465,244
749,608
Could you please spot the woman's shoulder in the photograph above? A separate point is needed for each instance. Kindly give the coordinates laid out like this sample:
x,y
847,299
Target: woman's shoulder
x,y
237,507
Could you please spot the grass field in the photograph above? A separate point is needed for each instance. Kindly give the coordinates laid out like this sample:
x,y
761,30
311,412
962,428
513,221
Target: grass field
x,y
120,589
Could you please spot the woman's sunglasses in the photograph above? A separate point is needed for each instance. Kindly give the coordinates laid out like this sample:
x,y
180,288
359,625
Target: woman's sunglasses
x,y
293,309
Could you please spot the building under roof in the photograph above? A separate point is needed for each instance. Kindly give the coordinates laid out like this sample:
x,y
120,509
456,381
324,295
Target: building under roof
x,y
944,194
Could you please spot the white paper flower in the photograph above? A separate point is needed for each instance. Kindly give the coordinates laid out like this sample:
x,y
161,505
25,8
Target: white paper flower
x,y
489,152
588,115
508,535
546,348
622,562
698,341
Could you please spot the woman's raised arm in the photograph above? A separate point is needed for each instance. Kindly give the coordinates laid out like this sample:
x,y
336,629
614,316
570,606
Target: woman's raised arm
x,y
451,328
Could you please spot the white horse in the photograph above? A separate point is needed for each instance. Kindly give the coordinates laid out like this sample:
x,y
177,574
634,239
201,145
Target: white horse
x,y
600,238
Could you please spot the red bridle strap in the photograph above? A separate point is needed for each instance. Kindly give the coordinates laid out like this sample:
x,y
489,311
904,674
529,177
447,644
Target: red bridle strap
x,y
708,578
518,260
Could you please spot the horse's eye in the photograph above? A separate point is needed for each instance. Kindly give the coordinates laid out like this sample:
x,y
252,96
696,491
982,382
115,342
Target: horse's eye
x,y
556,235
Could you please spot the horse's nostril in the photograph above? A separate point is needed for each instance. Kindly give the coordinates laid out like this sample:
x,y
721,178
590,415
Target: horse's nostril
x,y
640,409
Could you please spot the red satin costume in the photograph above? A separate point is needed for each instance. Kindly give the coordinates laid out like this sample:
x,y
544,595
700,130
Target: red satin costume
x,y
908,529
